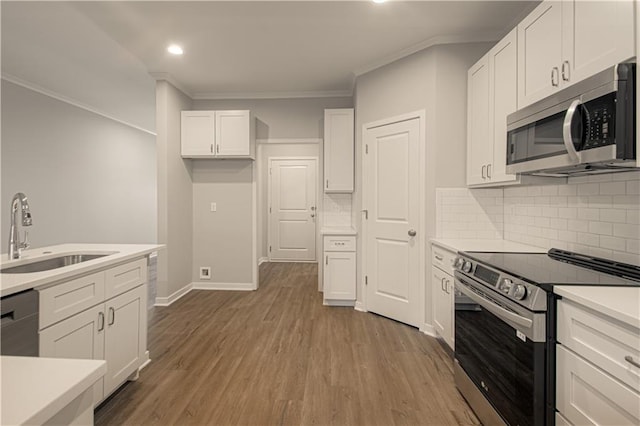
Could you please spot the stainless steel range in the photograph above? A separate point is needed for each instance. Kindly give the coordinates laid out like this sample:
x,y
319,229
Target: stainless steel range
x,y
505,328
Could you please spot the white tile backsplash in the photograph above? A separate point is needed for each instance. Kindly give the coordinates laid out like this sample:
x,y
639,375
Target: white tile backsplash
x,y
597,215
336,209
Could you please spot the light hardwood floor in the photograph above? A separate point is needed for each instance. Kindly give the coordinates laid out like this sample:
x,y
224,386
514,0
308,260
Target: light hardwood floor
x,y
277,356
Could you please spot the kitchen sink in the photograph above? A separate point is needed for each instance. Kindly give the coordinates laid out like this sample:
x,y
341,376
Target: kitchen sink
x,y
48,264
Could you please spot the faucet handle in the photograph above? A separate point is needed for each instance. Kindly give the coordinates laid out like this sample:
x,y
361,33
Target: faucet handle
x,y
25,244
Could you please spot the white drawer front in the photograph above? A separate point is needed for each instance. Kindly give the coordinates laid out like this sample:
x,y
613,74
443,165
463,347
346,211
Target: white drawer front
x,y
588,396
125,277
442,258
339,243
603,341
69,298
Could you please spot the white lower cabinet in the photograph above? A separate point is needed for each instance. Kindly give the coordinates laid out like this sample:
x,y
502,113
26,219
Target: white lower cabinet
x,y
339,270
442,284
596,378
114,330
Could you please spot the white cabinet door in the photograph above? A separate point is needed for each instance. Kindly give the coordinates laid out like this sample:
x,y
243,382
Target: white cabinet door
x,y
479,146
125,336
596,35
539,53
197,134
78,337
503,89
340,276
338,150
233,133
442,304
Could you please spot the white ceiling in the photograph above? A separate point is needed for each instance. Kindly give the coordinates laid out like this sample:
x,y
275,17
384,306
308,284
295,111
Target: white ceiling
x,y
233,49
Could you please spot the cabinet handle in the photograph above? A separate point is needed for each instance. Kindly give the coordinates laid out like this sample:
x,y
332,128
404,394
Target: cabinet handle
x,y
217,149
446,287
327,183
212,148
442,284
100,321
630,360
565,75
112,316
326,260
439,258
488,171
483,167
555,77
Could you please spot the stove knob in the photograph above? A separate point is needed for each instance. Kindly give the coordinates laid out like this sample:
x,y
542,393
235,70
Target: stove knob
x,y
459,262
466,267
505,285
520,292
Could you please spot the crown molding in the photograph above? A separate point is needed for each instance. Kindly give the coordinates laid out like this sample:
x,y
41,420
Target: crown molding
x,y
158,76
62,98
433,41
274,95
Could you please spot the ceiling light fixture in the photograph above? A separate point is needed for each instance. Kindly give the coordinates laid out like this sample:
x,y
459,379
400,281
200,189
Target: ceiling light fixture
x,y
379,1
174,49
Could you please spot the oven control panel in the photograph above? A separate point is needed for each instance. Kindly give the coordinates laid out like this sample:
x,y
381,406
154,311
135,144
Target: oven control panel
x,y
522,292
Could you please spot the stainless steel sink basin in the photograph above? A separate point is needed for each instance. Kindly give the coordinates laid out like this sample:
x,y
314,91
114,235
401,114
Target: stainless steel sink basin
x,y
48,264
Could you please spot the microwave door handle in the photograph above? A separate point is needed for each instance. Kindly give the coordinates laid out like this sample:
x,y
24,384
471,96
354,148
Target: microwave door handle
x,y
566,132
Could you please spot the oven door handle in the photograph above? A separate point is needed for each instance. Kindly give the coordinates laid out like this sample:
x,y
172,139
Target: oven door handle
x,y
499,311
566,132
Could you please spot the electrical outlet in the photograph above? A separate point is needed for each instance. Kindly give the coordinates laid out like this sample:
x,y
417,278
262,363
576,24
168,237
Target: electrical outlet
x,y
205,273
214,207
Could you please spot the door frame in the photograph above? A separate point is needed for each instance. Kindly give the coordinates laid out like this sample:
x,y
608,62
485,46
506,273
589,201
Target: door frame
x,y
422,222
317,204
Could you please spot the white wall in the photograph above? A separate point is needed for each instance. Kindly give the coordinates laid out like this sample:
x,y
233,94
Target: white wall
x,y
175,194
433,80
88,178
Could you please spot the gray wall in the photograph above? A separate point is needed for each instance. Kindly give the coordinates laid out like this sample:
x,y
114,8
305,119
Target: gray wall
x,y
175,194
88,178
287,119
433,80
223,240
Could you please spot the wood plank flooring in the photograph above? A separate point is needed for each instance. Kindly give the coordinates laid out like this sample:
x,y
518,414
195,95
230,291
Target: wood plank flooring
x,y
277,356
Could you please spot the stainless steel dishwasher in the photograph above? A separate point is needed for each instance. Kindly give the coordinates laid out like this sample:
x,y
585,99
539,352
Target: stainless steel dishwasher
x,y
19,324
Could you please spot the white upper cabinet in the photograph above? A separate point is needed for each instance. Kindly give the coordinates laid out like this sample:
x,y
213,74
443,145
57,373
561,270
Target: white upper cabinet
x,y
492,95
338,150
218,134
197,134
563,42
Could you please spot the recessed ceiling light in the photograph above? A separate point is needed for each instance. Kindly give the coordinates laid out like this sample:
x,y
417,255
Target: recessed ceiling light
x,y
379,1
174,49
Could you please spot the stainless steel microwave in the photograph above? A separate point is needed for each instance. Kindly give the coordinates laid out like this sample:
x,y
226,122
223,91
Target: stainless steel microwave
x,y
588,127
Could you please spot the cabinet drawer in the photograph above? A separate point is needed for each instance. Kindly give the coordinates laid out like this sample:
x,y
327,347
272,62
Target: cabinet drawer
x,y
125,277
601,340
588,396
69,298
443,258
339,243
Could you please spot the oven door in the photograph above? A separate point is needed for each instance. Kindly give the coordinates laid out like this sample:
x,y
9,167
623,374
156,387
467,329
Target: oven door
x,y
501,347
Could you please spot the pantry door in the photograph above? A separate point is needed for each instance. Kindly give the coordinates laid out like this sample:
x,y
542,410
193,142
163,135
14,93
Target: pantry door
x,y
292,209
393,234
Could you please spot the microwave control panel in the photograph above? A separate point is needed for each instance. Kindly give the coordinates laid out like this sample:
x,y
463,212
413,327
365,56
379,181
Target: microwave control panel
x,y
599,119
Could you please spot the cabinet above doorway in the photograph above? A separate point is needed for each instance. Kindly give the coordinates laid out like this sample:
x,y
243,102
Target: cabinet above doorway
x,y
217,134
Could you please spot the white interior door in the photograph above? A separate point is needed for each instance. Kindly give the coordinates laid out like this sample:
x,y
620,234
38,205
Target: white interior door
x,y
292,209
392,235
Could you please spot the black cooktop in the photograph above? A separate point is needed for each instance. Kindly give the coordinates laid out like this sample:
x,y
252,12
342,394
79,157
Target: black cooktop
x,y
559,267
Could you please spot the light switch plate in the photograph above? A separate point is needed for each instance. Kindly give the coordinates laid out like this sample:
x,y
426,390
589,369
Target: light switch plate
x,y
214,207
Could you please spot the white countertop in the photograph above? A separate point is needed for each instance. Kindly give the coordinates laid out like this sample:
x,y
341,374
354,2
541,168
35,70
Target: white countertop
x,y
35,389
486,245
118,253
621,303
338,230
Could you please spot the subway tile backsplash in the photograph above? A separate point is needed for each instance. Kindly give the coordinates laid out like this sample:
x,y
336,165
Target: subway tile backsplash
x,y
337,209
597,215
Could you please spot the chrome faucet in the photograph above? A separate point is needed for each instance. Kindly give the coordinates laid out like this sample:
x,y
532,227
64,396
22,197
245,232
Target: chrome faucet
x,y
15,246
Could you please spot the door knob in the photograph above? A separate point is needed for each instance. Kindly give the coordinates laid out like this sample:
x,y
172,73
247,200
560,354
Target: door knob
x,y
412,232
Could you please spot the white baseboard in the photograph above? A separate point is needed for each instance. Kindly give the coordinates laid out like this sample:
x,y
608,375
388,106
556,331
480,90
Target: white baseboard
x,y
146,362
359,306
166,301
349,303
262,260
428,330
223,286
